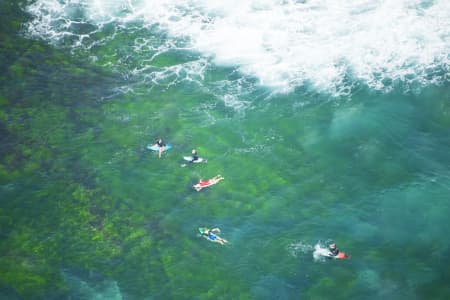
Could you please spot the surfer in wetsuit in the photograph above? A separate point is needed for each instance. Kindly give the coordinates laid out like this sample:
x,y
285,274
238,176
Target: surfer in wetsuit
x,y
205,183
209,234
194,155
334,251
161,145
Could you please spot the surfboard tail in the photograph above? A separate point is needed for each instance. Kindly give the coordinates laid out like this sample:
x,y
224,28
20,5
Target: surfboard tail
x,y
342,255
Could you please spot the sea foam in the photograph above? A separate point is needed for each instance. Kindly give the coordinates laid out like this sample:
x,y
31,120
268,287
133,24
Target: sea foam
x,y
323,44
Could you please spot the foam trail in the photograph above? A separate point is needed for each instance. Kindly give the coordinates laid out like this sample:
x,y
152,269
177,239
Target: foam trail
x,y
320,253
299,248
327,45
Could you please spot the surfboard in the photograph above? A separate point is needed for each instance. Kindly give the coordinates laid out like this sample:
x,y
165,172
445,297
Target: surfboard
x,y
199,160
342,255
319,251
156,147
210,236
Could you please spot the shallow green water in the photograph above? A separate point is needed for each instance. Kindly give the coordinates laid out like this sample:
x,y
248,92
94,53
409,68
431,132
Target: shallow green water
x,y
88,213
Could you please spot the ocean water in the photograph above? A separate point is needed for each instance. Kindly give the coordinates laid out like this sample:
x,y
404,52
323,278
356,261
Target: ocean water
x,y
329,122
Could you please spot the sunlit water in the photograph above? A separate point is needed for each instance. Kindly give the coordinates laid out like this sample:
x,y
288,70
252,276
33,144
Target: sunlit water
x,y
330,123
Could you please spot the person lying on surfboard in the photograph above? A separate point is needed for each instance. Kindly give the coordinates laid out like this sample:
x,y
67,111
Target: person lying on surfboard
x,y
161,145
334,252
205,183
209,234
193,158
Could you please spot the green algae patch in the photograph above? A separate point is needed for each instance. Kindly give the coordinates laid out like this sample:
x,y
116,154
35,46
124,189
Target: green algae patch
x,y
84,199
3,102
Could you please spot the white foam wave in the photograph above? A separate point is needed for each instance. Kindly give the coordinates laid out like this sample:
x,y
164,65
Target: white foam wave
x,y
326,44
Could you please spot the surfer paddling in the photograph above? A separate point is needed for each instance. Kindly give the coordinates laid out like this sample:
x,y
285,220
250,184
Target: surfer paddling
x,y
205,183
211,236
334,252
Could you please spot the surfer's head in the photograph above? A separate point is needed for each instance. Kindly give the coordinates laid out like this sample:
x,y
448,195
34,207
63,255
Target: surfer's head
x,y
332,246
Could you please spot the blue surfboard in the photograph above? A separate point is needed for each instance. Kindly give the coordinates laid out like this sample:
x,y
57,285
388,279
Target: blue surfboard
x,y
156,147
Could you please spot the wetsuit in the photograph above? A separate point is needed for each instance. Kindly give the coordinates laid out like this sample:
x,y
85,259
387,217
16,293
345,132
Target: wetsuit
x,y
160,143
194,156
334,251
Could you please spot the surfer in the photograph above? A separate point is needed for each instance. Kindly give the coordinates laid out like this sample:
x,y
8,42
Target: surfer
x,y
209,234
193,158
205,183
159,143
194,155
334,251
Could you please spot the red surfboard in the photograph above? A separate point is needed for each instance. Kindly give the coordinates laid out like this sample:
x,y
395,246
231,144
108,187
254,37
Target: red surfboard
x,y
342,255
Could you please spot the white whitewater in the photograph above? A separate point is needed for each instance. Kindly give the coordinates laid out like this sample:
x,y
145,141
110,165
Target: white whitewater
x,y
328,45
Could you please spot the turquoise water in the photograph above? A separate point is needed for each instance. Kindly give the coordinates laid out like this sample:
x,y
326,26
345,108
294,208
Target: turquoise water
x,y
350,146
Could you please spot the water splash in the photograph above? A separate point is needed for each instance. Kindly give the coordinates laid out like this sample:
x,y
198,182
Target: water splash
x,y
320,253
